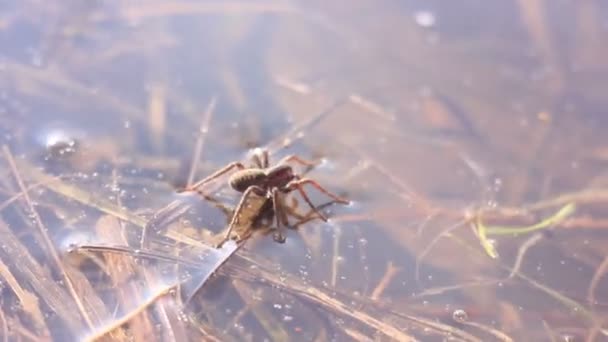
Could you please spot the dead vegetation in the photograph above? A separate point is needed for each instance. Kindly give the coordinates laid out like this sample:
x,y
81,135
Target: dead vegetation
x,y
477,210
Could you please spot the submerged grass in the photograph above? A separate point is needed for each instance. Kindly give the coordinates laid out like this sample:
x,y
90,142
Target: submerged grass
x,y
122,273
483,231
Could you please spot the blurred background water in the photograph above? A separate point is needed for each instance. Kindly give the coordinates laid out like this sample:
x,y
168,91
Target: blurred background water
x,y
436,119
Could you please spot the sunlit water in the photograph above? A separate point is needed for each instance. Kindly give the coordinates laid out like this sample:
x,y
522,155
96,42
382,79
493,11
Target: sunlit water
x,y
421,113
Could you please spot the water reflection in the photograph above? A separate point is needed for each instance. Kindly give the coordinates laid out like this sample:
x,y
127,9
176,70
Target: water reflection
x,y
448,126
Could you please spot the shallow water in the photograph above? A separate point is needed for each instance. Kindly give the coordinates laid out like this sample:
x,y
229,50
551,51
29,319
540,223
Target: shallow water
x,y
431,117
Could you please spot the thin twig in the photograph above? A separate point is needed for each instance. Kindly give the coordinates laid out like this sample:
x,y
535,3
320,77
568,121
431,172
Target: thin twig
x,y
18,195
287,138
106,227
549,331
521,252
597,276
163,217
336,255
77,194
425,251
200,141
488,329
436,291
135,253
389,274
4,326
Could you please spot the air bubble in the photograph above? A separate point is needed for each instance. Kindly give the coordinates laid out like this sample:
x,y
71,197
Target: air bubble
x,y
59,141
425,19
460,316
568,338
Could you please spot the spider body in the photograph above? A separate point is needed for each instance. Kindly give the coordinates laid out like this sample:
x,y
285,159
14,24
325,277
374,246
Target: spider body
x,y
270,182
278,176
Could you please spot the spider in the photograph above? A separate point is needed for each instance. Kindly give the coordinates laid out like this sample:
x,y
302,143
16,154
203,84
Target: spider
x,y
269,182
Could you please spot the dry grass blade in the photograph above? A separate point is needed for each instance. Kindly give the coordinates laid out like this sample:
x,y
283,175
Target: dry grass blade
x,y
100,333
588,196
161,218
162,9
434,291
4,331
157,114
335,259
495,332
357,336
31,273
17,196
287,138
121,271
52,78
129,251
333,304
73,192
93,201
428,248
323,299
551,334
389,274
28,300
43,231
198,147
597,276
440,327
217,257
522,250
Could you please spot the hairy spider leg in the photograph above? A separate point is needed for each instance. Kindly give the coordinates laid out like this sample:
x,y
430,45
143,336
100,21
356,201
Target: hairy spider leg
x,y
293,185
265,162
302,181
238,209
257,162
215,175
285,212
260,158
278,213
296,159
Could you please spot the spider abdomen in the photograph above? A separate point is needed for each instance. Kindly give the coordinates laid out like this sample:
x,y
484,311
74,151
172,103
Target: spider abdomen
x,y
243,179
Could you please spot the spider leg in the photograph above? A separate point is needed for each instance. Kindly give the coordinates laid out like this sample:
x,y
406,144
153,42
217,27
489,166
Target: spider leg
x,y
237,212
302,181
279,214
289,210
215,175
265,163
257,162
216,203
296,159
309,216
284,216
297,186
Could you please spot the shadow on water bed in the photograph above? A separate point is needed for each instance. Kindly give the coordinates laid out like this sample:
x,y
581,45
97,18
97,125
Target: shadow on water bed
x,y
470,140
